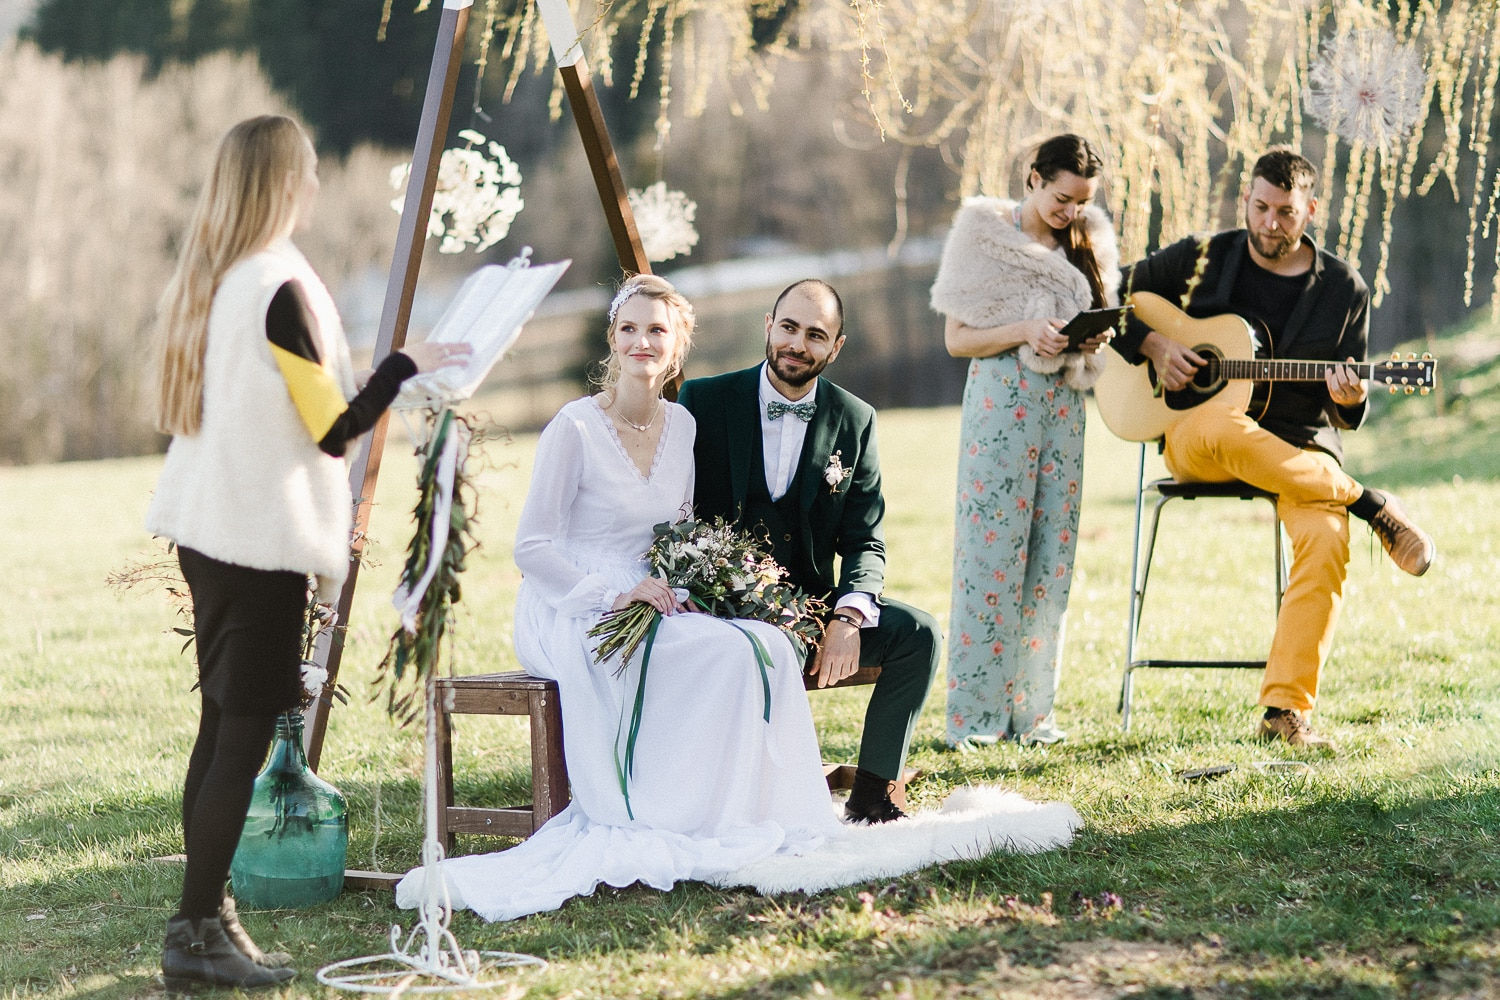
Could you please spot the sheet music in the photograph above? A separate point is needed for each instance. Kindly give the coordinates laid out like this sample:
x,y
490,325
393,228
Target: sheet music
x,y
488,313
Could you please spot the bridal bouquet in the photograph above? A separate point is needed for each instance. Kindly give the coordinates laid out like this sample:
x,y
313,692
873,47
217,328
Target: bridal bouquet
x,y
726,574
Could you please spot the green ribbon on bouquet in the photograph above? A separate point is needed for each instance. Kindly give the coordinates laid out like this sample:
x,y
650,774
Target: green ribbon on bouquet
x,y
624,769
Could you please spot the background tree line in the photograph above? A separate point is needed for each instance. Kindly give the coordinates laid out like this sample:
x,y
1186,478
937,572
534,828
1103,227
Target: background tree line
x,y
109,110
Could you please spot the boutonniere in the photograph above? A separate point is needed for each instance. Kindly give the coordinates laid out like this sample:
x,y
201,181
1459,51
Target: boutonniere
x,y
834,473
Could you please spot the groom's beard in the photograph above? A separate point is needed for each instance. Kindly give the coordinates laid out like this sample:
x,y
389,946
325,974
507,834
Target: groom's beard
x,y
800,376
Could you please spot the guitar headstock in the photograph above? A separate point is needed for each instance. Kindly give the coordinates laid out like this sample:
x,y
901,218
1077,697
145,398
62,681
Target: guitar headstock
x,y
1410,374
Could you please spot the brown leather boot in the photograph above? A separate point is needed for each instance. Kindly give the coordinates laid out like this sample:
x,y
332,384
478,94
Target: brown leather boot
x,y
1404,541
240,938
196,951
1284,724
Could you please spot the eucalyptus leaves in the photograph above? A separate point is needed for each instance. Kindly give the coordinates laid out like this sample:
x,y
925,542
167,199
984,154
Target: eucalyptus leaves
x,y
429,581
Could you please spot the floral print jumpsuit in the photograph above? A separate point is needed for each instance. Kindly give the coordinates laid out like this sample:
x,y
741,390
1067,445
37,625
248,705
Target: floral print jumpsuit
x,y
1020,479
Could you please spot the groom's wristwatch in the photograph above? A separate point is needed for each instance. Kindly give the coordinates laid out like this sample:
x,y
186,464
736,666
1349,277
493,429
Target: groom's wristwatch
x,y
846,618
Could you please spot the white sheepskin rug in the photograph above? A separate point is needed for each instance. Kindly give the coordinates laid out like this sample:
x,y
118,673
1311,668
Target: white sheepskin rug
x,y
972,823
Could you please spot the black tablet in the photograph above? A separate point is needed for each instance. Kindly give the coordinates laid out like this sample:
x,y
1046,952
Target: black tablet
x,y
1090,323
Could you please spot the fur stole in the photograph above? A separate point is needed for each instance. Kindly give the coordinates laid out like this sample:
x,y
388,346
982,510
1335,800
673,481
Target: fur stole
x,y
992,273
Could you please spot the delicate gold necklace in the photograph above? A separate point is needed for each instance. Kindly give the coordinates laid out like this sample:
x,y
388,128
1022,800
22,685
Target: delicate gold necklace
x,y
640,428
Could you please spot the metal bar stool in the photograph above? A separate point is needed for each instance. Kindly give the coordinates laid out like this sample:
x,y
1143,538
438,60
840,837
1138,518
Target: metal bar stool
x,y
1167,490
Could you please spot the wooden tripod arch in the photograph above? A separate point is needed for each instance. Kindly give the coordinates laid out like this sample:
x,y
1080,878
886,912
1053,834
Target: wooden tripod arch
x,y
406,264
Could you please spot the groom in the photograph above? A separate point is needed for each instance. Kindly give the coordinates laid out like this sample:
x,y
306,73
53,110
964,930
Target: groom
x,y
792,457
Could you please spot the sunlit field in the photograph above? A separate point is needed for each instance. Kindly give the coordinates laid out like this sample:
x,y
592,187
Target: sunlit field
x,y
1373,873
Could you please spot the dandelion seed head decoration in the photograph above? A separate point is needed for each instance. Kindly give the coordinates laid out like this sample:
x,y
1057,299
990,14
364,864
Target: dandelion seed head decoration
x,y
1367,86
665,221
478,195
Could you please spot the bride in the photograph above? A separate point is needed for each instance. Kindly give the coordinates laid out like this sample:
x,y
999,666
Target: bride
x,y
714,786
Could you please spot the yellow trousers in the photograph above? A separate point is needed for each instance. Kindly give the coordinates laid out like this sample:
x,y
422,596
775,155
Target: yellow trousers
x,y
1213,444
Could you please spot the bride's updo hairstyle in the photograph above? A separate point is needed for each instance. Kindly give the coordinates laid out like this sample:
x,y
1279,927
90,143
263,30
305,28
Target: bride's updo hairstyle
x,y
684,321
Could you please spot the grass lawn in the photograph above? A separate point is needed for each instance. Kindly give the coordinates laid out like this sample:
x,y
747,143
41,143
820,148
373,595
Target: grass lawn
x,y
1370,874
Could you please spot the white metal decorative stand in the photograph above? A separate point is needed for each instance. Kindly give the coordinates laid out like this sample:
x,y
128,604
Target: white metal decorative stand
x,y
430,960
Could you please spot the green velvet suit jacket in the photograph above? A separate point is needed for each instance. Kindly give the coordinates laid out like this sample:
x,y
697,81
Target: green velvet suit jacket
x,y
842,521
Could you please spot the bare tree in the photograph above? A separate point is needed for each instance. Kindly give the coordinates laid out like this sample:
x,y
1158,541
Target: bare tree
x,y
101,164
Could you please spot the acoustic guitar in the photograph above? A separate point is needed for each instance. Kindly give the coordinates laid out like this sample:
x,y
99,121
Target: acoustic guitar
x,y
1136,408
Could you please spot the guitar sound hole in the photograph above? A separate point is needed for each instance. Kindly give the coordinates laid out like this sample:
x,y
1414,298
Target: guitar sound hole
x,y
1209,378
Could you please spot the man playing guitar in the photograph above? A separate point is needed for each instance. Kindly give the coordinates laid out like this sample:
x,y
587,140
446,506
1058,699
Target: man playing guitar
x,y
1313,305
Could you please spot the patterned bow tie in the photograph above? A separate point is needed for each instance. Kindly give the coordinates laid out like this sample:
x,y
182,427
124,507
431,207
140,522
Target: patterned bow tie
x,y
802,411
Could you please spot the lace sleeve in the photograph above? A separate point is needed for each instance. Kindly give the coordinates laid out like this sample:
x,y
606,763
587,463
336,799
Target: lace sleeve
x,y
546,517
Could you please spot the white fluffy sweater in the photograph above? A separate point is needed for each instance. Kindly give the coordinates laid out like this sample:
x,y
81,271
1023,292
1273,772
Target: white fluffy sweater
x,y
252,487
992,274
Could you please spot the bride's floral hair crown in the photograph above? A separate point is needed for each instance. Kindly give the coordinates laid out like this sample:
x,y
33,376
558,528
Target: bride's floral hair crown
x,y
621,297
681,310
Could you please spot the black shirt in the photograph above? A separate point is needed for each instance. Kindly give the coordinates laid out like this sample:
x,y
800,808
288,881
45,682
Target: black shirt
x,y
1328,321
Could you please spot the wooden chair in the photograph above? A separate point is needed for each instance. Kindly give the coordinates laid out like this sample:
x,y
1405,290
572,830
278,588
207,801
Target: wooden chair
x,y
518,693
512,693
1165,491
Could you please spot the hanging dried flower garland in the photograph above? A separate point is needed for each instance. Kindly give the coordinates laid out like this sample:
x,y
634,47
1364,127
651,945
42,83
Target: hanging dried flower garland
x,y
664,220
478,194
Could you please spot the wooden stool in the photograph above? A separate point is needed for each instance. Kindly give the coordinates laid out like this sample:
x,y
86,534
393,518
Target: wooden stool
x,y
519,693
513,693
841,776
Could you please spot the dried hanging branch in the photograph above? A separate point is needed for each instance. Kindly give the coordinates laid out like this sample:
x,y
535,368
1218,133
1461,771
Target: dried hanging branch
x,y
441,540
1180,94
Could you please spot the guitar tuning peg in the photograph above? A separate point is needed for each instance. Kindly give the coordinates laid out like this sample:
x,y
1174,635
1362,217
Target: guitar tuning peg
x,y
1410,389
1411,357
1424,390
1404,380
1426,355
1391,389
1395,355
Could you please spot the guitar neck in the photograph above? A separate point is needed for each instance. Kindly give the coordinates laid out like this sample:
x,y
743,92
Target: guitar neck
x,y
1261,370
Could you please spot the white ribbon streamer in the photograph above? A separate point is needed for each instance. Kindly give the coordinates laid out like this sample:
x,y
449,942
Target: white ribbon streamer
x,y
408,598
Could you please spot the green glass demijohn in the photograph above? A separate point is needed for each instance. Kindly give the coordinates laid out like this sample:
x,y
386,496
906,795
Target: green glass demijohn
x,y
296,836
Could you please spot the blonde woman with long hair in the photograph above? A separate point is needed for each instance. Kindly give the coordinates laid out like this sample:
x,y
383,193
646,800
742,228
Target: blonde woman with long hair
x,y
255,387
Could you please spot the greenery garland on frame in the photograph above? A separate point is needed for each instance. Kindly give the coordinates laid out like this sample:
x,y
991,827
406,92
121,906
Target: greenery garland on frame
x,y
413,653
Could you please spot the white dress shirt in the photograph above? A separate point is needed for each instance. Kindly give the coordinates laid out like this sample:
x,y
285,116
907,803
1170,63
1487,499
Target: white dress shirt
x,y
781,445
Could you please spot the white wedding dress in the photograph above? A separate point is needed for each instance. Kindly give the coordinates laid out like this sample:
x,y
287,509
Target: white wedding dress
x,y
714,785
717,793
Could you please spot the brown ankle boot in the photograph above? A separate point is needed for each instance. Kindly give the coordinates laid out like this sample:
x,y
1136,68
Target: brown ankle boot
x,y
196,951
240,938
1404,541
